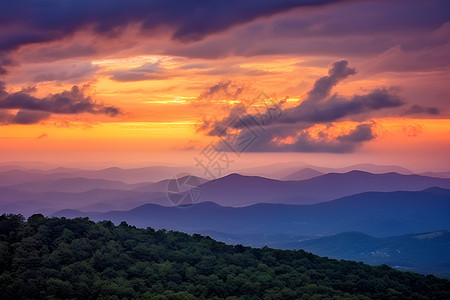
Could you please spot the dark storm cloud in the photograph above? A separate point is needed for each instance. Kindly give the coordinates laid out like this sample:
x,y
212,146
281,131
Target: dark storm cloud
x,y
288,129
33,110
33,21
306,143
67,102
371,17
362,133
23,117
5,62
323,86
27,117
331,30
337,107
266,140
418,109
319,106
381,26
341,144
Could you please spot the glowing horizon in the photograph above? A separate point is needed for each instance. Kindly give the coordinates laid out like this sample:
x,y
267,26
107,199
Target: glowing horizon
x,y
163,90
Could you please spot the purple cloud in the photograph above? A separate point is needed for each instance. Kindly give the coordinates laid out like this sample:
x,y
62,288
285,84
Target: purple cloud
x,y
67,102
32,110
23,117
32,22
75,71
418,109
319,107
269,140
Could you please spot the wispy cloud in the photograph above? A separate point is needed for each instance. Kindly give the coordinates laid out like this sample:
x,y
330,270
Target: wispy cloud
x,y
75,71
148,71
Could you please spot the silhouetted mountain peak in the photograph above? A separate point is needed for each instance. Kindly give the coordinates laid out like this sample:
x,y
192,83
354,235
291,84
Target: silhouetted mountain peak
x,y
238,178
437,191
112,169
359,172
303,174
234,176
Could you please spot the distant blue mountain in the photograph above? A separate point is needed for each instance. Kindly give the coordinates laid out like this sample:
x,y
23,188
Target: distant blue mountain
x,y
373,227
34,191
374,213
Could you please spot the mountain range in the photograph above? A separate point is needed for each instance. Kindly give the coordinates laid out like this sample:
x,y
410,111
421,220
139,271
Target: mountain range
x,y
238,190
357,215
375,213
29,191
405,252
373,227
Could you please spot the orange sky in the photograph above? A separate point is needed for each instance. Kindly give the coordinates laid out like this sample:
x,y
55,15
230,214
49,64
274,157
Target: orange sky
x,y
163,88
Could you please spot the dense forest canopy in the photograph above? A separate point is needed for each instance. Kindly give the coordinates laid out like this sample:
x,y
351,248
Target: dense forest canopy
x,y
58,258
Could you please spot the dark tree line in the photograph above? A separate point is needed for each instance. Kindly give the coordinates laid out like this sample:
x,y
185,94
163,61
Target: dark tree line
x,y
58,258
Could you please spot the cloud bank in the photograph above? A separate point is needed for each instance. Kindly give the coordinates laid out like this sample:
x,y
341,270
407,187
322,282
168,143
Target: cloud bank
x,y
32,110
188,20
294,129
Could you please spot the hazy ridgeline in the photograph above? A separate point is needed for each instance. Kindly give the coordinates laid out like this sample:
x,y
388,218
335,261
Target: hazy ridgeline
x,y
379,217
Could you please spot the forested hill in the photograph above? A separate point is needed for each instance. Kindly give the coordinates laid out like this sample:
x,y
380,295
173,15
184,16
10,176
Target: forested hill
x,y
53,258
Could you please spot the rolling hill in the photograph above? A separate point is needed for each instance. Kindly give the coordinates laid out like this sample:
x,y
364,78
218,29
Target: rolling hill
x,y
423,253
387,225
51,258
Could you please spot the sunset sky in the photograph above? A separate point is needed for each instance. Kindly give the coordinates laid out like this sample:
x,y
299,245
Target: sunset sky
x,y
326,82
